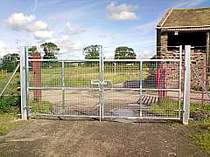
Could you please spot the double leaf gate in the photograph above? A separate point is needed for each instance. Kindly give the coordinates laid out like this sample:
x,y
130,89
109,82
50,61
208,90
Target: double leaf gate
x,y
103,88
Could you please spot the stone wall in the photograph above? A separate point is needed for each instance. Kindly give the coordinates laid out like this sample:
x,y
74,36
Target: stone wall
x,y
198,64
198,70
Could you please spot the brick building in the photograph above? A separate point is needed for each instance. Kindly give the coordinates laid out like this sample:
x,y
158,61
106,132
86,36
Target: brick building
x,y
186,27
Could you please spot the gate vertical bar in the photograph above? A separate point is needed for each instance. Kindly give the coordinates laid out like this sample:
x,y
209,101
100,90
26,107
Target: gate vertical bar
x,y
187,81
63,84
24,84
141,86
101,84
180,79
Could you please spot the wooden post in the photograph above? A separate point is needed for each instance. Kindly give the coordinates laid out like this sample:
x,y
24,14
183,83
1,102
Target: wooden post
x,y
36,68
204,83
207,49
161,82
207,58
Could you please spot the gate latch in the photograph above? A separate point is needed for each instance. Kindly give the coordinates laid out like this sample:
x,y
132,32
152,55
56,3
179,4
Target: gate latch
x,y
105,82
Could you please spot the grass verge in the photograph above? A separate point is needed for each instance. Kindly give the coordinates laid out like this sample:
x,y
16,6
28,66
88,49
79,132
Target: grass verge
x,y
8,122
200,133
199,127
167,107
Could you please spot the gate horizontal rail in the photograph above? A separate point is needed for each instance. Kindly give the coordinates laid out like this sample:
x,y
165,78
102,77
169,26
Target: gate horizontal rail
x,y
106,60
71,88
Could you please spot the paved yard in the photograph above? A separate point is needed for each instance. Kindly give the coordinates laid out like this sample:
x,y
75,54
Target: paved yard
x,y
91,138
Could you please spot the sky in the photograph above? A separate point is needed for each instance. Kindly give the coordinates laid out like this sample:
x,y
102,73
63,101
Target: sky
x,y
75,24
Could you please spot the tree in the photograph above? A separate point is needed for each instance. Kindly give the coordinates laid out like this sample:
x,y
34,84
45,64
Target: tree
x,y
10,61
50,50
92,51
124,52
32,50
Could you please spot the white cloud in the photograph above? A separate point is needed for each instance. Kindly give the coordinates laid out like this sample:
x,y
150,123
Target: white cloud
x,y
28,23
37,26
68,48
19,21
41,32
43,35
3,49
73,30
67,44
121,11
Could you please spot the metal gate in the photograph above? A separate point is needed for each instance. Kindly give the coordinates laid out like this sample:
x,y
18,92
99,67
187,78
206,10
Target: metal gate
x,y
145,89
103,88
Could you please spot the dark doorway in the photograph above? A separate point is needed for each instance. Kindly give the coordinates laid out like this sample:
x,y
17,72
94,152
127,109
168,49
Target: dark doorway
x,y
196,39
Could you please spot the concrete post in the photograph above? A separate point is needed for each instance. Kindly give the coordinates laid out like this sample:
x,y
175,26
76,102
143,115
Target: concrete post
x,y
187,82
23,83
101,84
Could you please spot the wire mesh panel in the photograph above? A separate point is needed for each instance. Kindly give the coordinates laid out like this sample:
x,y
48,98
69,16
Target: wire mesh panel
x,y
161,92
82,94
121,92
67,88
142,89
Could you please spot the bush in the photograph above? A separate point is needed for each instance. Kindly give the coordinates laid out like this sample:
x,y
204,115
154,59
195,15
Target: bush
x,y
9,62
199,112
9,103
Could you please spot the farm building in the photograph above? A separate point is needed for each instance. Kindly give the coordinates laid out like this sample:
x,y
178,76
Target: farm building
x,y
186,27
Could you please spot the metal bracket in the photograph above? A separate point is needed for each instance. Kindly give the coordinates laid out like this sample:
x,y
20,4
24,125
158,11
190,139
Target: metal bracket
x,y
97,82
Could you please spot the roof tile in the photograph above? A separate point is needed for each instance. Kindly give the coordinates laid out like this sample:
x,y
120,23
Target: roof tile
x,y
187,17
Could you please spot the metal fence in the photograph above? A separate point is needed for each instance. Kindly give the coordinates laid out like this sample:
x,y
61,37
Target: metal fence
x,y
9,90
102,88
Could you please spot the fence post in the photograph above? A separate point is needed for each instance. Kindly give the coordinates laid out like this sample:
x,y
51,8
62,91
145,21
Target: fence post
x,y
36,68
63,84
180,80
141,87
23,79
187,82
101,84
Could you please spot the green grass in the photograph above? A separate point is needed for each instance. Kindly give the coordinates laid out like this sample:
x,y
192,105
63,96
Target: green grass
x,y
200,133
203,140
12,89
195,107
165,107
82,76
41,107
167,104
9,103
9,122
76,76
199,129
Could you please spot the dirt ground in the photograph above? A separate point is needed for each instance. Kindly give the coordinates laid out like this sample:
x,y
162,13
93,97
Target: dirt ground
x,y
58,138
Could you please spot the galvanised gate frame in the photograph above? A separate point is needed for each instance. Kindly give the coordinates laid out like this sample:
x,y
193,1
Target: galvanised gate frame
x,y
105,88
